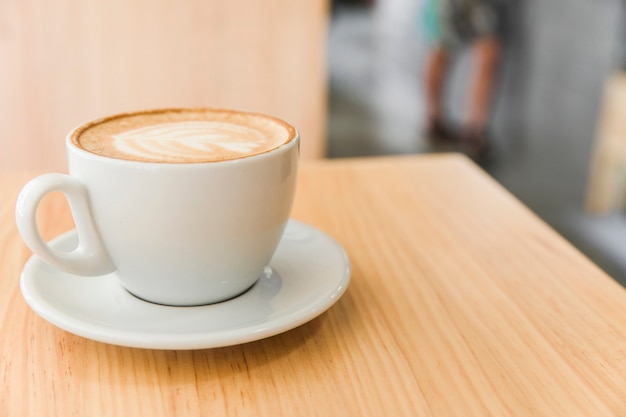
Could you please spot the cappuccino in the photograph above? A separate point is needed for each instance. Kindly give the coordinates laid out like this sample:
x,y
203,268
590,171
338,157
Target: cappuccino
x,y
172,231
183,135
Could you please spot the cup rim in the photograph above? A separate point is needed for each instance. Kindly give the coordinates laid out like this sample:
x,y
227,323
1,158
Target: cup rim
x,y
72,136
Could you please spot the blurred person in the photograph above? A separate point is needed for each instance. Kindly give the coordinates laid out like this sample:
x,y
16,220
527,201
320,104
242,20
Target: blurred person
x,y
451,25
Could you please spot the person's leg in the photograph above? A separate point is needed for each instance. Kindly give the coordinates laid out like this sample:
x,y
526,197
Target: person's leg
x,y
486,55
436,69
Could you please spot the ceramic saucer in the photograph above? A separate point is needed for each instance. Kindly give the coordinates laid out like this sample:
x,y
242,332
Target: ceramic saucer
x,y
308,273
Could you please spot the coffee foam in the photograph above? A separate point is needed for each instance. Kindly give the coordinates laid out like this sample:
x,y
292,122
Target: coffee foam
x,y
183,135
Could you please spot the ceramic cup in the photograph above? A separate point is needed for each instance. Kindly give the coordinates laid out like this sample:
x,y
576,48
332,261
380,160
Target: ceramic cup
x,y
175,234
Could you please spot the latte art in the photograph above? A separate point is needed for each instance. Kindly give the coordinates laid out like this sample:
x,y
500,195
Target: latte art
x,y
183,135
184,140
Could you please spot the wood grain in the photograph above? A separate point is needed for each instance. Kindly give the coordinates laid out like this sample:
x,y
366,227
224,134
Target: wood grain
x,y
69,61
462,303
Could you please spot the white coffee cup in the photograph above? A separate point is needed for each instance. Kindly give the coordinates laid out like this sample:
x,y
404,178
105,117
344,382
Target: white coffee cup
x,y
174,233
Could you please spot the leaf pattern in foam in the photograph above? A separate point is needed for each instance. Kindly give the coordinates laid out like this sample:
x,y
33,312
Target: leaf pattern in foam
x,y
187,139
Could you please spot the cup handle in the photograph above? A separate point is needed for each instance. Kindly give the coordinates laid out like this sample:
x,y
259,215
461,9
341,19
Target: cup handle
x,y
90,258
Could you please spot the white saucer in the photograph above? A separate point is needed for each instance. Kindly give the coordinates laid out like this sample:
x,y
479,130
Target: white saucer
x,y
309,273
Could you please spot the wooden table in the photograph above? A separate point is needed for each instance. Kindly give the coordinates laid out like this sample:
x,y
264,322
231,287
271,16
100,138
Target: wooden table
x,y
462,303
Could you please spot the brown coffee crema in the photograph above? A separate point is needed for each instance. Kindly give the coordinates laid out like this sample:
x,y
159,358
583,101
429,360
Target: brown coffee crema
x,y
183,135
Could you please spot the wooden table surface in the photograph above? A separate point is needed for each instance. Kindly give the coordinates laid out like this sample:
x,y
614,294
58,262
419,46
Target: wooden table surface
x,y
462,303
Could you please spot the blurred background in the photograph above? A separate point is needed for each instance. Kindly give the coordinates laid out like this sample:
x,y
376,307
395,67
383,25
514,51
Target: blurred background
x,y
350,74
562,63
